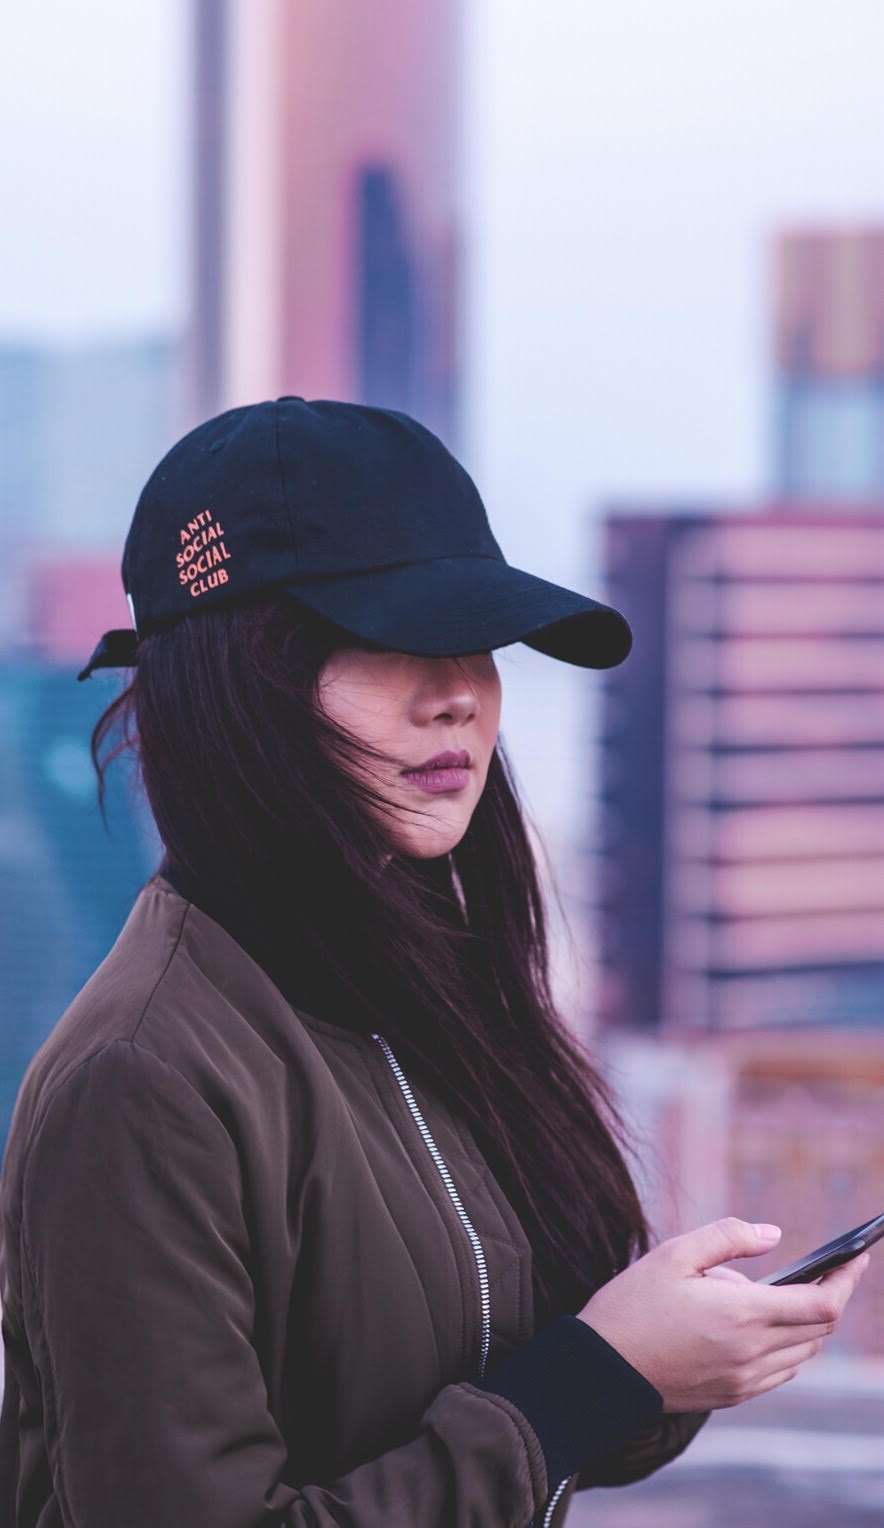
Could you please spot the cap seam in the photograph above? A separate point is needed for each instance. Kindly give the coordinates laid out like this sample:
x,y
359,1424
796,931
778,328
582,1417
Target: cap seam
x,y
283,485
504,606
383,567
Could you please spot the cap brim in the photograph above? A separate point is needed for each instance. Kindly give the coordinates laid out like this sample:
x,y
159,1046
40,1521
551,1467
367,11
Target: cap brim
x,y
451,606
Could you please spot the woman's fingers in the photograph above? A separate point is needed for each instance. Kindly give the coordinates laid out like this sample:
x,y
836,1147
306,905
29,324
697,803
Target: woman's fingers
x,y
797,1336
772,1380
720,1272
795,1353
821,1302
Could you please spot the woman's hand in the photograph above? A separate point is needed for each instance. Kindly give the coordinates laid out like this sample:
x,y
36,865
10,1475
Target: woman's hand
x,y
709,1337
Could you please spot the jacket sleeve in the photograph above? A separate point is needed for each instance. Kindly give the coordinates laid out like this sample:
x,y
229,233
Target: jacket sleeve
x,y
140,1310
644,1453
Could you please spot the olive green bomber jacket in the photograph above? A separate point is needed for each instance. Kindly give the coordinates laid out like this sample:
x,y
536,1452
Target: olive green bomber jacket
x,y
252,1274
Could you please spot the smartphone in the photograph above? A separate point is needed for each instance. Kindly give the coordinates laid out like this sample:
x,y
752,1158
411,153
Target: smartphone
x,y
831,1255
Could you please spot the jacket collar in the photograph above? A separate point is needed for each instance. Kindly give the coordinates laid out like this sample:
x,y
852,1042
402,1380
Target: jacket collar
x,y
242,922
291,964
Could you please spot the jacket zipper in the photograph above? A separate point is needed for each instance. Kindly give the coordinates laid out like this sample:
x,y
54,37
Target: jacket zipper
x,y
447,1179
551,1504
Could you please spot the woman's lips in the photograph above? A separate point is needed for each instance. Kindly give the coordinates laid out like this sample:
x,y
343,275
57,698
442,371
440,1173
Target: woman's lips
x,y
436,780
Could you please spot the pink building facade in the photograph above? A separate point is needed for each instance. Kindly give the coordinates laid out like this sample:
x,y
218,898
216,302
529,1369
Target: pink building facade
x,y
327,204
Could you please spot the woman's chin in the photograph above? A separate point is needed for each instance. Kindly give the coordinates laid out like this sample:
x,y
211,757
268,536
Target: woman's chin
x,y
430,843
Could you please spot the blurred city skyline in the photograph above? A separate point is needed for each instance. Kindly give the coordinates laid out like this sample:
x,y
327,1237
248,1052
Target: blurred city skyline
x,y
623,170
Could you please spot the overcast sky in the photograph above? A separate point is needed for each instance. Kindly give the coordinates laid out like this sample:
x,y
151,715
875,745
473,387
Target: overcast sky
x,y
93,170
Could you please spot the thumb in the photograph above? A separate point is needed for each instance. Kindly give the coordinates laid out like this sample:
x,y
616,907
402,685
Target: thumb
x,y
723,1239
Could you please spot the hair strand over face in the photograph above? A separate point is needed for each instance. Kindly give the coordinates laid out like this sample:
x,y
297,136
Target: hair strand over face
x,y
256,791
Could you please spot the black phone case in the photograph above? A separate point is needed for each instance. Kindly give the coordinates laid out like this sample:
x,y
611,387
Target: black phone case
x,y
830,1255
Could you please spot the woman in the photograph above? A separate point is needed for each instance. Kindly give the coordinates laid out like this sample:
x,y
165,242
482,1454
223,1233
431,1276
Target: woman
x,y
314,1212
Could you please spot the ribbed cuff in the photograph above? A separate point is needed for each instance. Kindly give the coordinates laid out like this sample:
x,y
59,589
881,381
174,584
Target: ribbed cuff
x,y
581,1396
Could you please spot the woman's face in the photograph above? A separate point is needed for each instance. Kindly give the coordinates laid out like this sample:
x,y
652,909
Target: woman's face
x,y
412,709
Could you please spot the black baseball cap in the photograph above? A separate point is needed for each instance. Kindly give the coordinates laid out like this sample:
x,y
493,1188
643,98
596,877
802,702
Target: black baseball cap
x,y
360,513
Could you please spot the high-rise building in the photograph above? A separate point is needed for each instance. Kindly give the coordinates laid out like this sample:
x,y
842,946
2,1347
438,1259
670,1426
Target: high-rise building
x,y
66,882
739,874
829,361
82,425
737,849
327,204
738,870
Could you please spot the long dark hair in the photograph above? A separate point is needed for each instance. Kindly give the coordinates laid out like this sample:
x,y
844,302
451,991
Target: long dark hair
x,y
254,788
